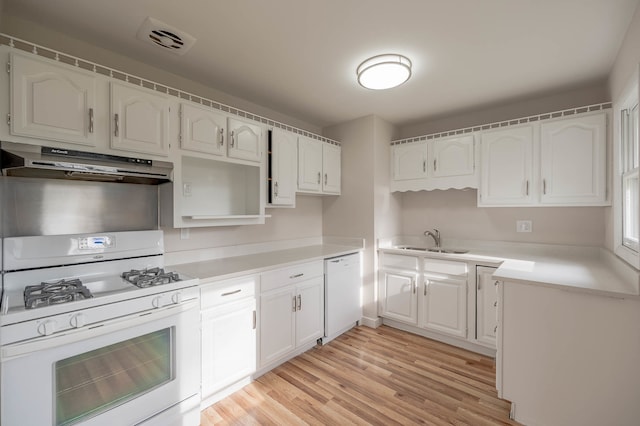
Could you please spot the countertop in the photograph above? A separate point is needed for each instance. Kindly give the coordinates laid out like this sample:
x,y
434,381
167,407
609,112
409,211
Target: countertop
x,y
230,267
585,269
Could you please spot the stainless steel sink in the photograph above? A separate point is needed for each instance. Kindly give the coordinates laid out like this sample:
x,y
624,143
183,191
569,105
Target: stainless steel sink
x,y
447,250
434,249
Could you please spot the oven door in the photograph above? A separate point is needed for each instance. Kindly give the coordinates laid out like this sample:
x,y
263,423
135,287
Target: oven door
x,y
122,371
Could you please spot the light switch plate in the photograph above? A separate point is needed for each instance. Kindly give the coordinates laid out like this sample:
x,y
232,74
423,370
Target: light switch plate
x,y
524,226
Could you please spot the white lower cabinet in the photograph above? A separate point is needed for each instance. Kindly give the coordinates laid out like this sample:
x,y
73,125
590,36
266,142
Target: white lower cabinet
x,y
486,306
291,311
444,305
228,325
398,295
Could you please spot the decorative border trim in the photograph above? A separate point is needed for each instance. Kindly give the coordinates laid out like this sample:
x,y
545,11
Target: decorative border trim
x,y
45,52
522,120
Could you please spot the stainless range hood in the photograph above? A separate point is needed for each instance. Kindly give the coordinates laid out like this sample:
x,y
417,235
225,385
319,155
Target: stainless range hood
x,y
56,163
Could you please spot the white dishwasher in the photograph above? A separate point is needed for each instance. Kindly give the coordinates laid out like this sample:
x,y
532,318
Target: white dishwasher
x,y
343,283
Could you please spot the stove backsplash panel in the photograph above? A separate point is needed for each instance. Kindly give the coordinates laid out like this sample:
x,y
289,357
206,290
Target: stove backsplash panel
x,y
56,207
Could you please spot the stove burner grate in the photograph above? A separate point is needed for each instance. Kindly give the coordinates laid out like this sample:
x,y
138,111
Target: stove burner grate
x,y
150,277
53,293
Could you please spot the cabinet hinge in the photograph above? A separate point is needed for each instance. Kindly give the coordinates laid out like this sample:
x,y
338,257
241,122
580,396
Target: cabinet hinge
x,y
9,119
9,67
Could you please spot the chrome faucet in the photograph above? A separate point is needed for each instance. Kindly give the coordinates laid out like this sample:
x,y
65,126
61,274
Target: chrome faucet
x,y
435,234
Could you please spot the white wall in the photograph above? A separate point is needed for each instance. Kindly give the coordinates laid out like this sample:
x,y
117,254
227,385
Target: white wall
x,y
627,59
455,214
366,207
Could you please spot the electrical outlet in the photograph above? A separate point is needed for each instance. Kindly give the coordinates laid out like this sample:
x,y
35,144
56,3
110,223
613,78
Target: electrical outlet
x,y
524,226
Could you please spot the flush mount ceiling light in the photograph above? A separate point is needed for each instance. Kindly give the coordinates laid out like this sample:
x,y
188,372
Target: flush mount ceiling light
x,y
384,71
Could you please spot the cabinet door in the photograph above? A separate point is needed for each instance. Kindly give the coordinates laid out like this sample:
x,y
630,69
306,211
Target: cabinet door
x,y
310,311
228,344
284,162
486,306
202,129
399,296
331,168
52,101
452,157
245,140
139,120
409,161
507,161
277,324
573,160
444,306
309,165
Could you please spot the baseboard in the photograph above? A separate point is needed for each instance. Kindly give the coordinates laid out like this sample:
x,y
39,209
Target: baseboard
x,y
371,322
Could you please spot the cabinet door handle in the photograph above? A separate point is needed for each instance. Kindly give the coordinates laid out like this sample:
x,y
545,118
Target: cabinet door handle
x,y
435,164
232,292
495,304
325,179
294,307
299,302
479,285
222,137
90,120
319,178
296,275
233,138
415,286
275,189
424,166
495,329
426,284
116,123
495,283
527,188
544,186
255,319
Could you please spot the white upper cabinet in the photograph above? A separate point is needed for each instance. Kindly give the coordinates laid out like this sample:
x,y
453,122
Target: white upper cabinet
x,y
52,101
318,167
331,157
202,129
572,158
283,167
246,140
309,165
452,157
441,163
555,162
507,167
409,161
139,120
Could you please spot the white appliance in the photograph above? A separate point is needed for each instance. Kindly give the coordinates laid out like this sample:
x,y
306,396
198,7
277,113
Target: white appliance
x,y
95,332
343,306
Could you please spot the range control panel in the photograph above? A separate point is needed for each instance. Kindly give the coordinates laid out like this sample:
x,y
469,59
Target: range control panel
x,y
98,242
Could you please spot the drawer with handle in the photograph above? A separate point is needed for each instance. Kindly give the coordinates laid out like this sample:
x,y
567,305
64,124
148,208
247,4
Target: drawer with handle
x,y
219,292
291,275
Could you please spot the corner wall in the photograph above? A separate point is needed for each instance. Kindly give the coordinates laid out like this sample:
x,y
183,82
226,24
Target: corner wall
x,y
366,208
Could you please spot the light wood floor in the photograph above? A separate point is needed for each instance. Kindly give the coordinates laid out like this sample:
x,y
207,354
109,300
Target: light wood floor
x,y
378,376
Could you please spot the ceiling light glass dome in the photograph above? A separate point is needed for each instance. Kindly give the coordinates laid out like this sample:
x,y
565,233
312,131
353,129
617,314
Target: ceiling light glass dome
x,y
384,71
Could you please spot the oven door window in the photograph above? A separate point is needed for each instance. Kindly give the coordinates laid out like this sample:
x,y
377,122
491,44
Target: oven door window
x,y
93,382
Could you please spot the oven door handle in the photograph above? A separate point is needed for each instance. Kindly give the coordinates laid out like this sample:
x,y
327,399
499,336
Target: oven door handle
x,y
98,329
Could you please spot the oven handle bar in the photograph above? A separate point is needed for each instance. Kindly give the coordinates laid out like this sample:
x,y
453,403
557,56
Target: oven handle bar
x,y
98,329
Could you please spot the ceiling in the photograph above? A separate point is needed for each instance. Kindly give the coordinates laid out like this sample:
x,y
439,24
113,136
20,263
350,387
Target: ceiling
x,y
298,57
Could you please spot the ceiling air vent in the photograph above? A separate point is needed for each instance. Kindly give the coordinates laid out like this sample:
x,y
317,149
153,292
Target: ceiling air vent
x,y
165,36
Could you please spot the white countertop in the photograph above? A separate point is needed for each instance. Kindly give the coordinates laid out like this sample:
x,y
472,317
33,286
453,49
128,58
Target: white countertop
x,y
584,269
230,267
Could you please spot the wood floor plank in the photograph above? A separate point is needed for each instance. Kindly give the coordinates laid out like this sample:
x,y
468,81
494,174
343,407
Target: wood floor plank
x,y
368,376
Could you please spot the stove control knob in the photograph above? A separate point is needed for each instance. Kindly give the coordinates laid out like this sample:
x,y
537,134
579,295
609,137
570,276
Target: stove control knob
x,y
157,302
176,298
78,320
47,328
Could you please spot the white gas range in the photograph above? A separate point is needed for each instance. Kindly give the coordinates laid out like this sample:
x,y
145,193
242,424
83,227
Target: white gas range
x,y
100,329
